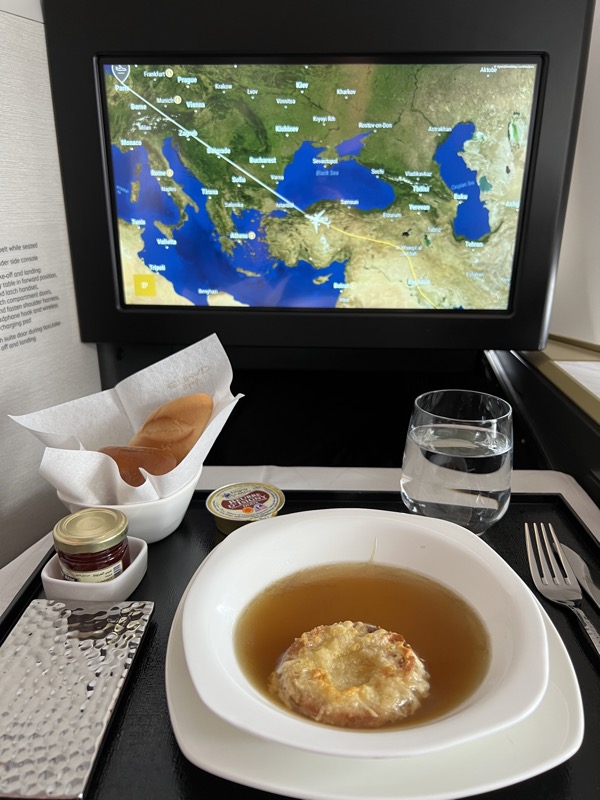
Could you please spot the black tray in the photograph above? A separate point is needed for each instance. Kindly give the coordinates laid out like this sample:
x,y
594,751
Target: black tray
x,y
140,757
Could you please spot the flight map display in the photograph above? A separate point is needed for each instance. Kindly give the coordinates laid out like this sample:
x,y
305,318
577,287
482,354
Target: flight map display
x,y
318,185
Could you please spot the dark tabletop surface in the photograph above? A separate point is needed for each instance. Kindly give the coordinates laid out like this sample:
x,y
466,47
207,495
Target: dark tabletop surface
x,y
140,757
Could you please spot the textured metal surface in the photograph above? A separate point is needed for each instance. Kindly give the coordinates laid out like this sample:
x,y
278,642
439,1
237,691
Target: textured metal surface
x,y
62,668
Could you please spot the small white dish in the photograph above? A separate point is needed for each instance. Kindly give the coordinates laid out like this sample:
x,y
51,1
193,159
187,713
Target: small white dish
x,y
153,520
115,590
543,740
517,674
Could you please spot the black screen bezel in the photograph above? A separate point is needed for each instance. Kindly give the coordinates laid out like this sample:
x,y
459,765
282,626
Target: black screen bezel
x,y
559,34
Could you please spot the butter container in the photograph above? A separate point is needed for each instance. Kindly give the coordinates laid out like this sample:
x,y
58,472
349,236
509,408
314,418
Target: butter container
x,y
240,503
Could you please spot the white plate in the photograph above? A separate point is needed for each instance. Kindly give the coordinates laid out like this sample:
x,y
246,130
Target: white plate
x,y
516,676
544,739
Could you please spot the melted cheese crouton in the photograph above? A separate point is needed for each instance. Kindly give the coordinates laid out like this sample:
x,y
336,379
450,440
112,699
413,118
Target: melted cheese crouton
x,y
352,675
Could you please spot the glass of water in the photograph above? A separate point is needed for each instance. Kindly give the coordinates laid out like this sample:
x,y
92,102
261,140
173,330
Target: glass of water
x,y
458,458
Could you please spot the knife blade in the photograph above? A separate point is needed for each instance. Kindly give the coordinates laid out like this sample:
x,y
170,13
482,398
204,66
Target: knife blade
x,y
582,573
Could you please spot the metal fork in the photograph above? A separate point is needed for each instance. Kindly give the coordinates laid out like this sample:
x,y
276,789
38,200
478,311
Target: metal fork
x,y
556,581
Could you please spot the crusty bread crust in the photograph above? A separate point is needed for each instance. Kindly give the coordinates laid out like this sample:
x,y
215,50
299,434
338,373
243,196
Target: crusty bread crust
x,y
351,675
177,425
130,459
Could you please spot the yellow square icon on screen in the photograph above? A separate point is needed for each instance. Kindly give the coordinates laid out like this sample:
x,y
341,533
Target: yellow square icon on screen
x,y
145,285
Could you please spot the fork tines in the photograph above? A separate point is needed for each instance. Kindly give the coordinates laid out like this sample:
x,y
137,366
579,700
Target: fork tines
x,y
552,569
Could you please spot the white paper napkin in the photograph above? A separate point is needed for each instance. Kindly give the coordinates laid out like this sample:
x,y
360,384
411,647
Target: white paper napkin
x,y
74,431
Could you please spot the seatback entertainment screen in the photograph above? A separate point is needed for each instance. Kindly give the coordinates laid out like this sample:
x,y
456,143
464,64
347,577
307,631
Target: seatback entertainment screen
x,y
356,185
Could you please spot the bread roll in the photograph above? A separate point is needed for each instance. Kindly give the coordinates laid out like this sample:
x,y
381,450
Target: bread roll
x,y
130,459
177,425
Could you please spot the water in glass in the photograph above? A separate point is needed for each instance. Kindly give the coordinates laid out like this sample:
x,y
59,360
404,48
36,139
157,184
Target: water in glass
x,y
460,473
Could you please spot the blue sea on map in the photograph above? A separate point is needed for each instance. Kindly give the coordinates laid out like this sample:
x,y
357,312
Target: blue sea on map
x,y
198,262
472,217
304,183
352,146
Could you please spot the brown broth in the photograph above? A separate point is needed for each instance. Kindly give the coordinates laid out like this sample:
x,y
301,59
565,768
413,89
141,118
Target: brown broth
x,y
440,626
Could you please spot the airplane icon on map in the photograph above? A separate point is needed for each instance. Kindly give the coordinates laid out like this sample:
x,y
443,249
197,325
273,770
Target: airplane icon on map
x,y
318,219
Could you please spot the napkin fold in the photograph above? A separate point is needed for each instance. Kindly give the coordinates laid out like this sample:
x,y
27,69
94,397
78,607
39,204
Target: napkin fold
x,y
74,431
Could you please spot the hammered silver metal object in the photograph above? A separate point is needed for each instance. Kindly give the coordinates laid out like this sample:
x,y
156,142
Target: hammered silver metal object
x,y
62,668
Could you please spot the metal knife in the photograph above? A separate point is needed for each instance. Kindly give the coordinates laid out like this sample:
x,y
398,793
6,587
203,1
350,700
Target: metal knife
x,y
582,573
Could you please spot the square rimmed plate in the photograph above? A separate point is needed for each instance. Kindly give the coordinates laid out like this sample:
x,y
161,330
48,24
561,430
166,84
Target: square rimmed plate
x,y
442,551
543,740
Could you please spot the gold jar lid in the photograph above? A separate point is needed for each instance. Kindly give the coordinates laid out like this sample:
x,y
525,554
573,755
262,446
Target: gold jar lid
x,y
90,530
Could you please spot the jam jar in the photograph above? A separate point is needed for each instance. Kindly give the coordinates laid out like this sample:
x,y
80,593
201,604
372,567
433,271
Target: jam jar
x,y
92,545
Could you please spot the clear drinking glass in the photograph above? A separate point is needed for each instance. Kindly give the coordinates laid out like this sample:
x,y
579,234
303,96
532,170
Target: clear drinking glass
x,y
458,458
